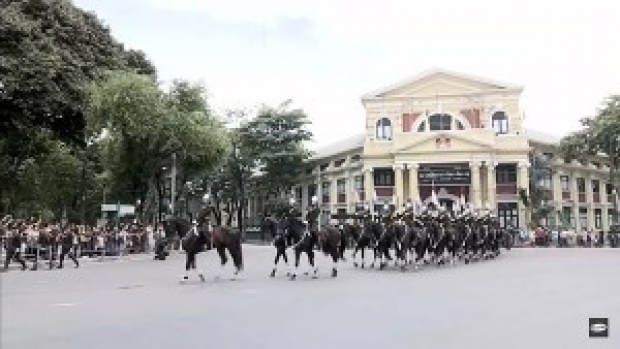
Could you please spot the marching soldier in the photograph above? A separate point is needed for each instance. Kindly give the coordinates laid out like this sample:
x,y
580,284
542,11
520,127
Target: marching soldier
x,y
312,216
13,244
66,242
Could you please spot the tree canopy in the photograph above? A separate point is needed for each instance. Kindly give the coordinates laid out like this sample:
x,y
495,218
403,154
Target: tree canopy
x,y
50,52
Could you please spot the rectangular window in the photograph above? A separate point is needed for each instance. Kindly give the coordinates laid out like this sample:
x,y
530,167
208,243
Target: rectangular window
x,y
355,158
339,163
324,166
506,174
567,217
341,186
341,189
598,218
383,177
545,181
564,184
596,186
583,218
608,189
581,185
508,214
325,189
359,183
610,216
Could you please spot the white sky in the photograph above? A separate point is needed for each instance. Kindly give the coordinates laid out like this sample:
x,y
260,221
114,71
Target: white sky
x,y
324,55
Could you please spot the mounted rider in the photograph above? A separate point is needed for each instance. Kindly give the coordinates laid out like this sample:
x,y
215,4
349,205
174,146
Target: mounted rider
x,y
312,215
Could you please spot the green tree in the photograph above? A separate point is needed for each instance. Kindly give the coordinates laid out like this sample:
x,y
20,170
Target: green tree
x,y
274,139
600,134
537,197
143,129
50,51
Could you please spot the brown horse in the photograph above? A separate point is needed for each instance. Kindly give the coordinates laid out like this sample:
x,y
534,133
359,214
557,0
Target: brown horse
x,y
203,237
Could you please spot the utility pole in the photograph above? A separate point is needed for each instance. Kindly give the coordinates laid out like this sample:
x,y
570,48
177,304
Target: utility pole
x,y
173,184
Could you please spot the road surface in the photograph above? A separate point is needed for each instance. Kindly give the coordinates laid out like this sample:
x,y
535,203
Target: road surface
x,y
528,298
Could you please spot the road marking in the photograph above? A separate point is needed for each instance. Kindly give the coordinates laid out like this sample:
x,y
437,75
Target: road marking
x,y
65,304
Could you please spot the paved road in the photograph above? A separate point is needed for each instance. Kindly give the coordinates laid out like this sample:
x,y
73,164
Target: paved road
x,y
529,298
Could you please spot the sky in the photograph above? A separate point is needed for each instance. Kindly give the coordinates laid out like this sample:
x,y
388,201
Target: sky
x,y
324,55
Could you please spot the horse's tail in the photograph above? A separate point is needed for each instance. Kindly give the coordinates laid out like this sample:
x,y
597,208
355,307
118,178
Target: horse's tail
x,y
237,252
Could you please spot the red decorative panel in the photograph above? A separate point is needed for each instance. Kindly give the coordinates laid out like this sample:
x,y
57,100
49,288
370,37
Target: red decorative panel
x,y
408,119
342,198
473,117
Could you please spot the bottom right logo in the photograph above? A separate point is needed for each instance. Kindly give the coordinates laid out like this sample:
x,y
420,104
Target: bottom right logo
x,y
598,327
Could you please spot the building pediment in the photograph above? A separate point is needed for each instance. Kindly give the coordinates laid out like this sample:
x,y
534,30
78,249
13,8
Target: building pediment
x,y
441,82
445,141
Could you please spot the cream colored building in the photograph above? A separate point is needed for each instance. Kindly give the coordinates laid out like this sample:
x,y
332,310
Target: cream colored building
x,y
459,135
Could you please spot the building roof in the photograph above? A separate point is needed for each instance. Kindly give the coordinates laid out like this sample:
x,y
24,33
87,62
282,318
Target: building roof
x,y
437,71
341,146
357,141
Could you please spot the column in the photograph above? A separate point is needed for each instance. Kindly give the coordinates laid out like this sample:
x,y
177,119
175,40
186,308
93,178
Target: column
x,y
399,188
475,197
414,189
557,195
333,195
369,186
491,186
574,195
523,180
605,217
590,200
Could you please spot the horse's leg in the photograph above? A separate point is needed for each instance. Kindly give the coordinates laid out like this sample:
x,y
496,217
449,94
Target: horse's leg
x,y
221,251
335,264
275,263
342,247
188,265
297,255
311,261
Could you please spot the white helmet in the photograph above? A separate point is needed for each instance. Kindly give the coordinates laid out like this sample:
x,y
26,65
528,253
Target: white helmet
x,y
315,199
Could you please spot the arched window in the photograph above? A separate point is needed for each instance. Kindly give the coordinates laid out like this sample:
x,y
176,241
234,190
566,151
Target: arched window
x,y
500,122
422,126
384,129
439,122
